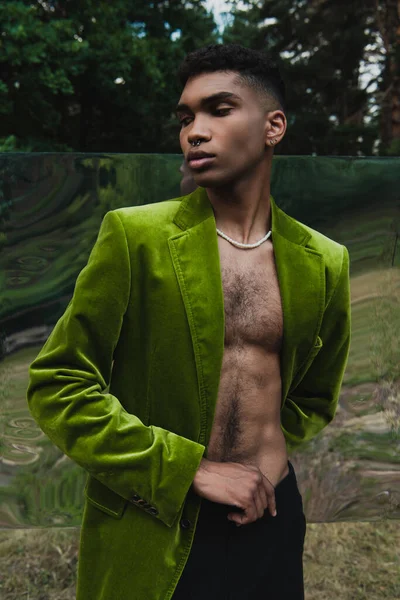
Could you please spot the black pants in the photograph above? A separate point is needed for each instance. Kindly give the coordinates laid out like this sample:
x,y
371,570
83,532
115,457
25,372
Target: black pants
x,y
259,561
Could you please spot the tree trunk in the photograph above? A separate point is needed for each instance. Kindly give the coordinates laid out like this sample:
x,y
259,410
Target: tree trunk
x,y
388,20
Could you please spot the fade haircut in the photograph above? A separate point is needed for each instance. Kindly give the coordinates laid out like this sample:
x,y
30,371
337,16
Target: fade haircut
x,y
254,69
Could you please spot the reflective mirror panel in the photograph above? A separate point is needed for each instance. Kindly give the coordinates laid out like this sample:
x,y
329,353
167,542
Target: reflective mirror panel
x,y
51,207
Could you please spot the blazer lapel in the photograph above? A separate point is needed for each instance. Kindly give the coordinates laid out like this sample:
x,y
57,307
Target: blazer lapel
x,y
301,275
196,260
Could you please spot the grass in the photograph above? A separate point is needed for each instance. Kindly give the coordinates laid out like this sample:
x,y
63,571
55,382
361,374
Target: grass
x,y
40,564
350,561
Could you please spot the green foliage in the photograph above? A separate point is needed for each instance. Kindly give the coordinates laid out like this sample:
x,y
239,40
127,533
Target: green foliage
x,y
320,49
12,144
92,75
38,58
394,148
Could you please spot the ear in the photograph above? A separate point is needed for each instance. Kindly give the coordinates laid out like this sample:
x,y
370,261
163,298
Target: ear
x,y
275,127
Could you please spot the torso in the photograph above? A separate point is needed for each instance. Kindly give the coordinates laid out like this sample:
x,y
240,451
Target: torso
x,y
246,425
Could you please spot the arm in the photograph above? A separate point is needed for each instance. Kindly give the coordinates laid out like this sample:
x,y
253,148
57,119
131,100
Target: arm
x,y
312,404
67,398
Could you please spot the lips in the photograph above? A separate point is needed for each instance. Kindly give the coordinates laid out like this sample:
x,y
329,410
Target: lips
x,y
197,155
197,163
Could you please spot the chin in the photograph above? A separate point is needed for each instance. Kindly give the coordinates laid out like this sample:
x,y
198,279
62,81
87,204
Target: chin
x,y
208,180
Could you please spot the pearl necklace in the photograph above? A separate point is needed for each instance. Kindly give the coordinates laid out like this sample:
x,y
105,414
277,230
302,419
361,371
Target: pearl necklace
x,y
239,244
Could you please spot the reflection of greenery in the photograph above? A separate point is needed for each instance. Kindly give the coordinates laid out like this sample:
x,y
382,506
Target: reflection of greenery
x,y
338,196
7,386
45,495
326,480
104,182
386,333
46,500
48,491
66,220
385,351
368,446
369,234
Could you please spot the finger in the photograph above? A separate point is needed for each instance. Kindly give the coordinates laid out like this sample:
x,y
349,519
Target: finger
x,y
250,514
247,515
264,497
258,501
235,516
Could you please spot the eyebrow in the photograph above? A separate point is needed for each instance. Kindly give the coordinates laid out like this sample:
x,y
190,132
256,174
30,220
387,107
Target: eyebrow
x,y
209,100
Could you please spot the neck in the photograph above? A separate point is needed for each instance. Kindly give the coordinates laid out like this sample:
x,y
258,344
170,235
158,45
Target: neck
x,y
243,211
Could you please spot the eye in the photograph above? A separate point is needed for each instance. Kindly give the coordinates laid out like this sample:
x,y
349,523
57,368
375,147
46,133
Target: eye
x,y
221,110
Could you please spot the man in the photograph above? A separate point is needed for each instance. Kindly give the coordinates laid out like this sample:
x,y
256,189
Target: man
x,y
229,325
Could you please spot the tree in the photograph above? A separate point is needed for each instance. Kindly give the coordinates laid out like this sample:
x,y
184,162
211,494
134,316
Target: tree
x,y
38,58
94,75
387,19
102,76
319,46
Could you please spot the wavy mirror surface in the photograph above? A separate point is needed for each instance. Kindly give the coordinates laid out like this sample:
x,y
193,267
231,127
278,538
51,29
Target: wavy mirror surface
x,y
51,207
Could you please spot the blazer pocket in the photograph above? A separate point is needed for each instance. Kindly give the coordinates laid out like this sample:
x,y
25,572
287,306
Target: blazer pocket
x,y
104,499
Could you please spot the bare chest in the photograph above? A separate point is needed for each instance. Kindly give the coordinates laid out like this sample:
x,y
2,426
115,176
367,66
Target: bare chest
x,y
246,426
252,300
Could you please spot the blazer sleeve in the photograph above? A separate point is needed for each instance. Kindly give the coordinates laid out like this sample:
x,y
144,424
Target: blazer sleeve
x,y
313,403
67,397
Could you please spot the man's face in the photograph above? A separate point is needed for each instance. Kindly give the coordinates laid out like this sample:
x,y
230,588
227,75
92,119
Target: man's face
x,y
233,129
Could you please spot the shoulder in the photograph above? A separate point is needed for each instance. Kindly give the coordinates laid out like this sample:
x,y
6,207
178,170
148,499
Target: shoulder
x,y
335,255
147,225
332,250
155,213
146,222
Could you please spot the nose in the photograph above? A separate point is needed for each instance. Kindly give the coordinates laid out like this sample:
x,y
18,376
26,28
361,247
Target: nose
x,y
197,131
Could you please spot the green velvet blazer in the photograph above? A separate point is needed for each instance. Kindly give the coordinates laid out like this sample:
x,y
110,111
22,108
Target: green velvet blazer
x,y
127,382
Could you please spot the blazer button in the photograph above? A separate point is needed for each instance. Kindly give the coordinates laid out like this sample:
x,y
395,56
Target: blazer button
x,y
153,511
185,523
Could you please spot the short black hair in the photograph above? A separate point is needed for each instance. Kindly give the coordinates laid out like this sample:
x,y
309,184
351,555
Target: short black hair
x,y
255,69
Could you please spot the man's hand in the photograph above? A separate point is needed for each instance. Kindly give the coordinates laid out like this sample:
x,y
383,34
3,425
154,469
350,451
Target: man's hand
x,y
240,485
